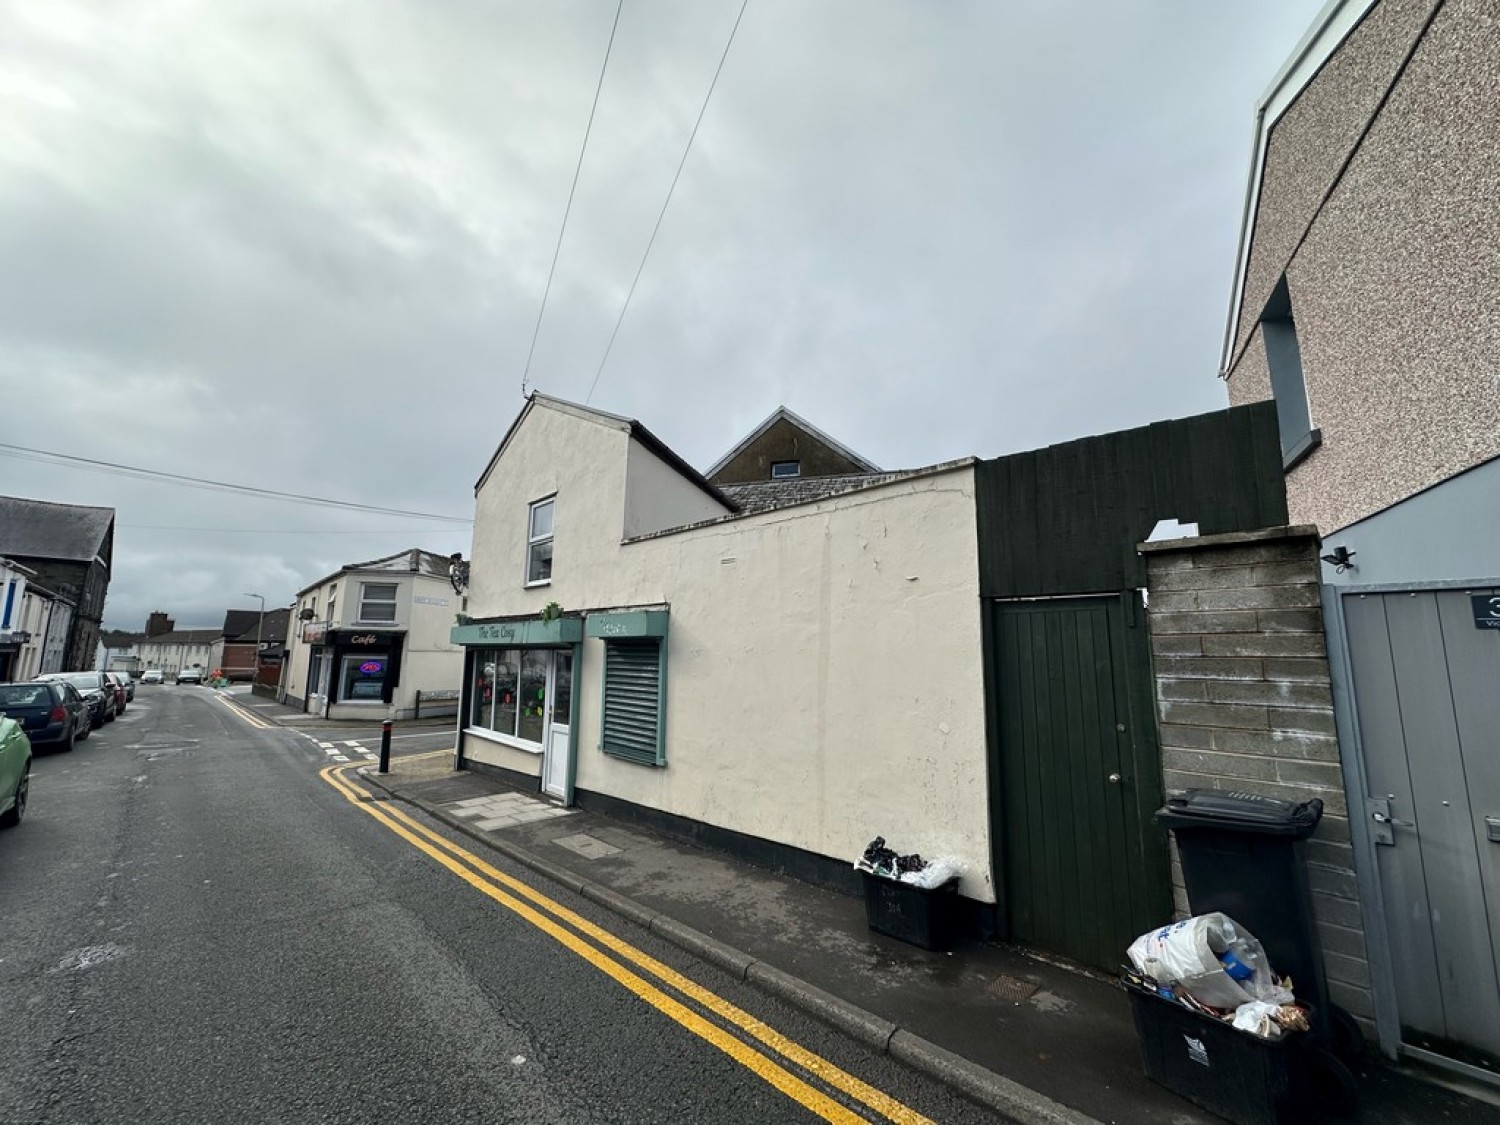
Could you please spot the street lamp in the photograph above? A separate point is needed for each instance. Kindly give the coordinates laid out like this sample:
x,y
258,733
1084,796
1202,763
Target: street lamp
x,y
259,623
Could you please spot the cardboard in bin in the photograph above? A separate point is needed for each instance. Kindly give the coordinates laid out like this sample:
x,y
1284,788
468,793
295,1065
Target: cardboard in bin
x,y
919,915
1238,1075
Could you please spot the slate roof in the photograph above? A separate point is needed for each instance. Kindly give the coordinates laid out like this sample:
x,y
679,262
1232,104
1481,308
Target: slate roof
x,y
412,561
272,629
185,637
43,530
237,621
766,495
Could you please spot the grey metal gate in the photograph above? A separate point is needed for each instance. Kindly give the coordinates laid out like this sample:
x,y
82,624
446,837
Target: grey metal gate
x,y
1427,696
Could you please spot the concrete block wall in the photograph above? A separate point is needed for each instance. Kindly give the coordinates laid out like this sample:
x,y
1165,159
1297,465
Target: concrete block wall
x,y
1244,702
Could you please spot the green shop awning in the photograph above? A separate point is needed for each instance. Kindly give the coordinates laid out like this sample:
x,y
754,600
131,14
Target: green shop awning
x,y
522,633
627,623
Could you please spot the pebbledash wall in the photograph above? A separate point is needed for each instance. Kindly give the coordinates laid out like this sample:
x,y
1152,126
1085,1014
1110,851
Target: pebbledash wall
x,y
1244,701
825,680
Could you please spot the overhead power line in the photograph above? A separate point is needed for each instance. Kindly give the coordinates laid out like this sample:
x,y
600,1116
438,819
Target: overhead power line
x,y
568,210
112,468
666,202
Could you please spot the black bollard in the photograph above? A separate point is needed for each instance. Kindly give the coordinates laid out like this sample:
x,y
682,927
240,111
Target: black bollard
x,y
385,747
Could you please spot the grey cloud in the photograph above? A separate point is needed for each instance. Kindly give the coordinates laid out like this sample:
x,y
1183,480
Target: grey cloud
x,y
279,246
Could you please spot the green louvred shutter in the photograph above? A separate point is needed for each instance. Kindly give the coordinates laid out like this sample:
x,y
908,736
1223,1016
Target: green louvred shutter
x,y
632,701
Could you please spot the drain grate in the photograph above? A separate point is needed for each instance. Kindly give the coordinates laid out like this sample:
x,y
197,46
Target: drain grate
x,y
1014,989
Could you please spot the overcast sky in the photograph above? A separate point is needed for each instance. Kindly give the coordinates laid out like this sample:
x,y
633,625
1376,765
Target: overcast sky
x,y
302,245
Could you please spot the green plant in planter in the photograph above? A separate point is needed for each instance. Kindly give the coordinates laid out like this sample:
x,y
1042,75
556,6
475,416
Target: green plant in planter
x,y
551,612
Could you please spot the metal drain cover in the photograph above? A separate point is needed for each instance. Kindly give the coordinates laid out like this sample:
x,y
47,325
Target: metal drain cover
x,y
1015,990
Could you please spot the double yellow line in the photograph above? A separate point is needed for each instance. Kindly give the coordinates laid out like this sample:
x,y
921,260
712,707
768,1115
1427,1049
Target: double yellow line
x,y
254,720
509,893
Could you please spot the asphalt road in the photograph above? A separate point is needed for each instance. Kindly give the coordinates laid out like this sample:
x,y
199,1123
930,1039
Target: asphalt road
x,y
196,926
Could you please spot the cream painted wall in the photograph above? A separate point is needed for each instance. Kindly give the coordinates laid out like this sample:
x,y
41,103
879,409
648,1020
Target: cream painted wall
x,y
825,672
583,462
657,496
480,749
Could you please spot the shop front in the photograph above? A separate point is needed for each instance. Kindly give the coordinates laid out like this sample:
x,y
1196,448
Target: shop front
x,y
518,708
354,672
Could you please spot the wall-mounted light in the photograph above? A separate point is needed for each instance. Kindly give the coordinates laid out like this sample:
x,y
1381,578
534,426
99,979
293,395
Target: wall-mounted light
x,y
1341,559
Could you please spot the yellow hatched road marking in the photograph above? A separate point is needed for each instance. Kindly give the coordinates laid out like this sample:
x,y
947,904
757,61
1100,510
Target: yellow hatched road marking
x,y
469,867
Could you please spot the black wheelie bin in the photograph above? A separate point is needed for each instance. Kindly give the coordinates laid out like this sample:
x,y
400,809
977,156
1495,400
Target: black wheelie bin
x,y
1241,855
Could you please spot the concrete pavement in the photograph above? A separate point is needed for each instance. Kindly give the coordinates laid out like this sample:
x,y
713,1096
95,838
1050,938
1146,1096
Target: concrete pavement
x,y
1036,1041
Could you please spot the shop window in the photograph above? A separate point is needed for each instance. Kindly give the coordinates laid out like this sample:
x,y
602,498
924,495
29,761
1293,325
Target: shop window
x,y
509,694
362,678
377,602
634,712
539,543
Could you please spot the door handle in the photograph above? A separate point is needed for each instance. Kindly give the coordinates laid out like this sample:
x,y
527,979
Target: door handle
x,y
1379,809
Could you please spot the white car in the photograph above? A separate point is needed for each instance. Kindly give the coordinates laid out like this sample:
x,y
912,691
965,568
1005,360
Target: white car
x,y
153,676
190,676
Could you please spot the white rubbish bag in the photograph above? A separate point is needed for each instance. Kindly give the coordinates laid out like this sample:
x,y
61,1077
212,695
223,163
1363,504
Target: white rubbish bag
x,y
1187,953
936,873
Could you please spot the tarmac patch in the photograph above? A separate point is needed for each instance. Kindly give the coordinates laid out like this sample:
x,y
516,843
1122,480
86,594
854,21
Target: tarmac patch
x,y
590,847
89,957
1051,1003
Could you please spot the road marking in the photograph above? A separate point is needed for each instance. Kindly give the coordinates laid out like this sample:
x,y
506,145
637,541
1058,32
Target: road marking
x,y
340,757
484,878
254,720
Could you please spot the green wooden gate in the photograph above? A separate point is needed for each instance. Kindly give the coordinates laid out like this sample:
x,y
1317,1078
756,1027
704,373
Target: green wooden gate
x,y
1084,869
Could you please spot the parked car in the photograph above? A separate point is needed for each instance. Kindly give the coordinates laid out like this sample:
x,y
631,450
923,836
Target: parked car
x,y
190,676
51,714
15,772
127,683
99,692
122,693
152,676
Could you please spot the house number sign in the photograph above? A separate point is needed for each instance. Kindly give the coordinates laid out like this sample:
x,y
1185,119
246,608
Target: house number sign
x,y
1486,610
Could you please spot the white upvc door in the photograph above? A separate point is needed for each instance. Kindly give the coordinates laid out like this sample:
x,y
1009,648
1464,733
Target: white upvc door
x,y
557,739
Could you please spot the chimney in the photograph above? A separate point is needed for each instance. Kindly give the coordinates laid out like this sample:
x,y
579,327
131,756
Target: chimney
x,y
159,623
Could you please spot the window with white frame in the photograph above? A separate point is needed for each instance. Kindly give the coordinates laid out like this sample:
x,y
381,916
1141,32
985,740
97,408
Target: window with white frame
x,y
377,602
539,543
509,693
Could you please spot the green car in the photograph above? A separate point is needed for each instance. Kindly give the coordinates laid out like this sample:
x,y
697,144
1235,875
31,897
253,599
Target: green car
x,y
15,772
